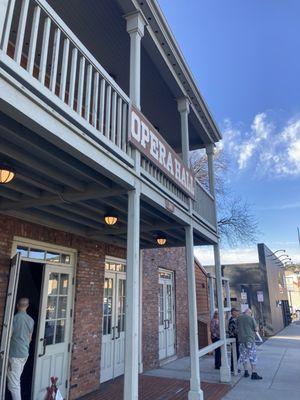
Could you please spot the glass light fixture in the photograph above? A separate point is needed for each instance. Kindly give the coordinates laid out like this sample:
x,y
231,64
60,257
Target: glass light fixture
x,y
110,219
161,240
6,175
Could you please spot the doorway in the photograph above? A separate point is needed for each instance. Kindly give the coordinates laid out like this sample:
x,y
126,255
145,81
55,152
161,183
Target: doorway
x,y
113,331
49,288
166,329
29,285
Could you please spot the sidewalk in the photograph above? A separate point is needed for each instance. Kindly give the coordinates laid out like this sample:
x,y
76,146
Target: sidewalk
x,y
279,364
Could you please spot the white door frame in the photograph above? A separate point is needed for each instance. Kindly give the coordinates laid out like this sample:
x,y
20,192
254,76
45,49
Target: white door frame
x,y
116,276
72,252
173,308
8,319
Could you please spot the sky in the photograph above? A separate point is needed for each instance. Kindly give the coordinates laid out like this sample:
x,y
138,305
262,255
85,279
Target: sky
x,y
245,57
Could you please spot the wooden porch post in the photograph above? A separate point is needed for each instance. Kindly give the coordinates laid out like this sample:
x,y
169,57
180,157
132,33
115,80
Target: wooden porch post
x,y
135,28
184,109
225,375
195,392
132,296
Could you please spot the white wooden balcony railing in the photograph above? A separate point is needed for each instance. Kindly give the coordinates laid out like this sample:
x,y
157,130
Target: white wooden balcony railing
x,y
204,204
43,52
41,44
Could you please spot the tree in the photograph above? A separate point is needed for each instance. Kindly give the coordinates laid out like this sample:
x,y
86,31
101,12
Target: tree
x,y
236,221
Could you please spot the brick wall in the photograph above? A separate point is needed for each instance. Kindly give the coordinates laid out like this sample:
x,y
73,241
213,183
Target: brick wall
x,y
203,308
85,365
172,259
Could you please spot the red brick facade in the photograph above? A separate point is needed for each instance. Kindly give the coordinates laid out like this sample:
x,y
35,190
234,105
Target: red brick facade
x,y
85,364
172,259
203,308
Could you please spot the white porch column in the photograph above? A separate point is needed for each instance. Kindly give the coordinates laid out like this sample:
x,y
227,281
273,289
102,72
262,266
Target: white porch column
x,y
135,27
132,296
210,162
225,375
195,392
184,109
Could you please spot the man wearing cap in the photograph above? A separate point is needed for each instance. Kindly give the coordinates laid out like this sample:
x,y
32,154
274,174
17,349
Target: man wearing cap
x,y
232,330
19,347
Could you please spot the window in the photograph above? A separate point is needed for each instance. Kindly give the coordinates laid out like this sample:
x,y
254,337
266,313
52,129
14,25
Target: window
x,y
44,255
56,311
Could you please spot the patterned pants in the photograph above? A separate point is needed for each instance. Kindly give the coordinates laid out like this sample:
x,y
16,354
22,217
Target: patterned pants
x,y
248,352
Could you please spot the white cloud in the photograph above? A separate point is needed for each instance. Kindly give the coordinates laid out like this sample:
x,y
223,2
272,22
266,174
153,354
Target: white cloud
x,y
267,149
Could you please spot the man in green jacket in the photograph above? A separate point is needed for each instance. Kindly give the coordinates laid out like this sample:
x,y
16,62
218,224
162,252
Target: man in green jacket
x,y
246,329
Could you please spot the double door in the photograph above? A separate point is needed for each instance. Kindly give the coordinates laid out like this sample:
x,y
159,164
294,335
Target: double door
x,y
113,330
166,315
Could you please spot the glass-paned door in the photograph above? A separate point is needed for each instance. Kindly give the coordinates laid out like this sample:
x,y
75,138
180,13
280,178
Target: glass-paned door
x,y
166,329
113,335
54,331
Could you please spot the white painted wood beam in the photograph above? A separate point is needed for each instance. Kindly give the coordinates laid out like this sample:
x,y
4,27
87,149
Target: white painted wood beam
x,y
68,196
43,167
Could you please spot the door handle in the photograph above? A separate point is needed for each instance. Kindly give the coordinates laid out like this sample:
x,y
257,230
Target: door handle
x,y
118,332
44,347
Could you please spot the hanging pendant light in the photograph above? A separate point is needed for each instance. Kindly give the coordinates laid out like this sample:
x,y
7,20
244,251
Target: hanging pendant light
x,y
161,240
6,175
110,219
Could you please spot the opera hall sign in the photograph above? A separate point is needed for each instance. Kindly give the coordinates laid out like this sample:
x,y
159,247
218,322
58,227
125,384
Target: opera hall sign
x,y
152,145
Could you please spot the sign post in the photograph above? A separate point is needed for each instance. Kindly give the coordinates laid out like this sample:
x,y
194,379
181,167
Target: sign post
x,y
260,299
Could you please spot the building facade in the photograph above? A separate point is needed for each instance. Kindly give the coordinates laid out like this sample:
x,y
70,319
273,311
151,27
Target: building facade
x,y
292,279
98,114
260,286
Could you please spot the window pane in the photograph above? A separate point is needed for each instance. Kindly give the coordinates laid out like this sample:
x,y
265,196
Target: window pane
x,y
23,251
60,331
64,284
53,284
51,307
54,257
62,307
37,254
49,332
65,258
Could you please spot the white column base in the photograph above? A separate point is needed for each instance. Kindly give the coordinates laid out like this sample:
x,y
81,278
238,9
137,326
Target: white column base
x,y
225,374
195,395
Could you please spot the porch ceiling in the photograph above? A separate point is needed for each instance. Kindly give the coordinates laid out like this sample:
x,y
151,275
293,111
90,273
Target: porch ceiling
x,y
55,189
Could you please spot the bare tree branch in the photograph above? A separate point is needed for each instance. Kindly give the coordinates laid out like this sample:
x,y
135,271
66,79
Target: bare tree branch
x,y
236,222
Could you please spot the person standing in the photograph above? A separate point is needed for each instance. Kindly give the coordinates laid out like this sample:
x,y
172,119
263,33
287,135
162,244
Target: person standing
x,y
232,331
215,336
19,347
246,329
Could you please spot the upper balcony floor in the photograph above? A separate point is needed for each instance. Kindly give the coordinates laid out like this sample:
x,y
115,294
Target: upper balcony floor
x,y
78,61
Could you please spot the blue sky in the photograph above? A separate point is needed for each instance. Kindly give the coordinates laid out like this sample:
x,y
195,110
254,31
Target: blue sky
x,y
245,57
